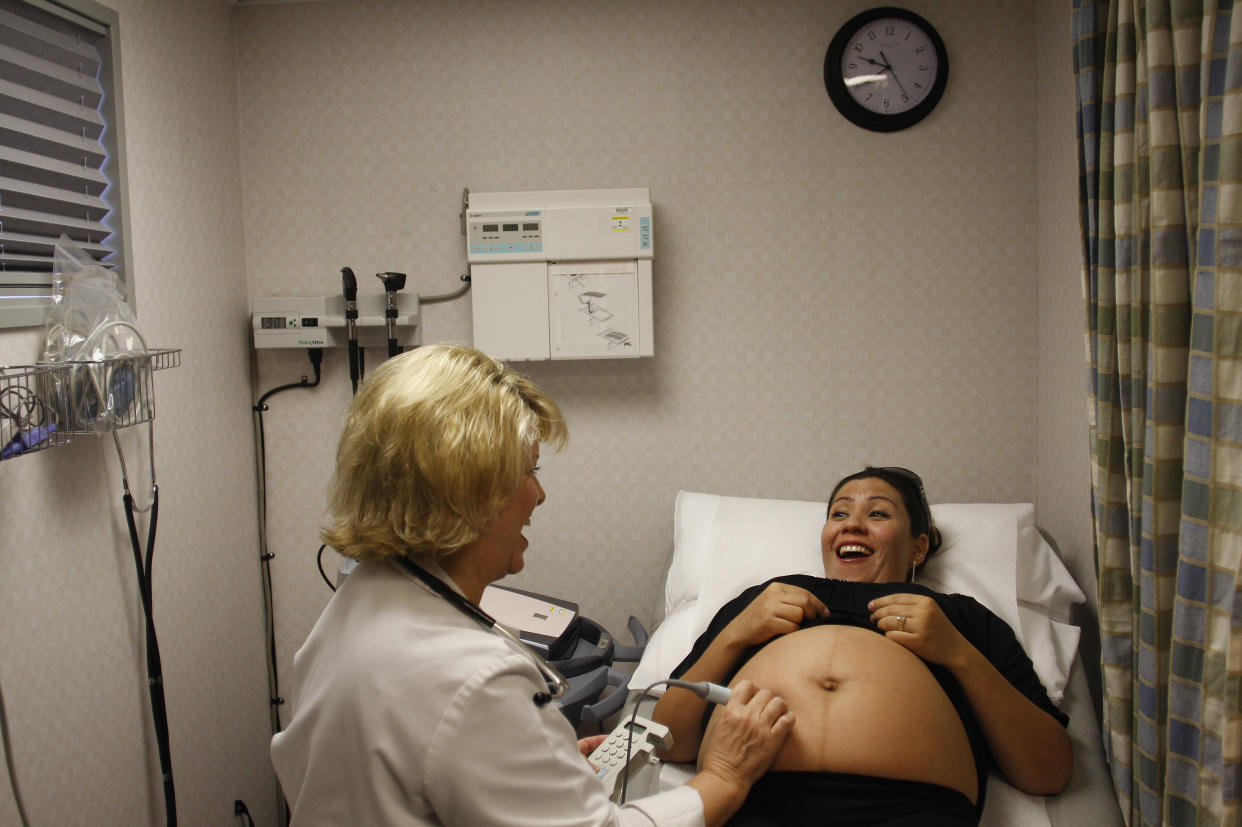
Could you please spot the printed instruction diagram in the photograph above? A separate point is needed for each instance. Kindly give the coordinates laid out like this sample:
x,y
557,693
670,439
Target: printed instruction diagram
x,y
593,313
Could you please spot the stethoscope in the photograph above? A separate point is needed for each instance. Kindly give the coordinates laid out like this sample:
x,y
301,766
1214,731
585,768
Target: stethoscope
x,y
557,685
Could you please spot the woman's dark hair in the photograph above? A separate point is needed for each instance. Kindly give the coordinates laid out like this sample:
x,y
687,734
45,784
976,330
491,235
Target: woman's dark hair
x,y
910,486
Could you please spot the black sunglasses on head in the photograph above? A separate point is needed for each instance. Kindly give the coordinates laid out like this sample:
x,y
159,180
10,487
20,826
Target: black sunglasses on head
x,y
907,474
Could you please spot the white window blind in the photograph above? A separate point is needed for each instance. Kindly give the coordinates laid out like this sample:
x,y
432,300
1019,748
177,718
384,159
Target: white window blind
x,y
61,150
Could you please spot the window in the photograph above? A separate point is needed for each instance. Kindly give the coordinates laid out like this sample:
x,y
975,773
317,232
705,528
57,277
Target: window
x,y
62,162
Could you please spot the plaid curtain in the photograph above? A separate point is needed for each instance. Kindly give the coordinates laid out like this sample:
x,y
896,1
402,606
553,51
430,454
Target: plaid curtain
x,y
1159,86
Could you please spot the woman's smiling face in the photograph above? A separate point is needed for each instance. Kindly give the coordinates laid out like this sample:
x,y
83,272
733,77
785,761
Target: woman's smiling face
x,y
867,536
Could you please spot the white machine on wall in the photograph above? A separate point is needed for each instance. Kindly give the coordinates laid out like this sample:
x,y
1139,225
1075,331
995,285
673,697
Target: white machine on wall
x,y
561,274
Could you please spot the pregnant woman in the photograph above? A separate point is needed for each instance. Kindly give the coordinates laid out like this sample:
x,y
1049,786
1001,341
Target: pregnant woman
x,y
904,697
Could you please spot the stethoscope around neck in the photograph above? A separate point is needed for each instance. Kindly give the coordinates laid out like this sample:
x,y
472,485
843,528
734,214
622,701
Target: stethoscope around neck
x,y
557,685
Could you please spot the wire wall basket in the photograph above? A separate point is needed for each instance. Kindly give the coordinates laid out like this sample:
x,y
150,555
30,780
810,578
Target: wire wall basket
x,y
45,405
30,419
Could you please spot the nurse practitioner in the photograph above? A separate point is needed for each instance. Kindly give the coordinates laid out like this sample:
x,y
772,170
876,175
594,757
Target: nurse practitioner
x,y
408,708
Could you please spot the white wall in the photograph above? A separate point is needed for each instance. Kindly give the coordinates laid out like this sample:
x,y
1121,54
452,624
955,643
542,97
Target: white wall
x,y
825,297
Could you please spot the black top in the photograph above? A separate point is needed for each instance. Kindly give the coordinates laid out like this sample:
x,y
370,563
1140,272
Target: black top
x,y
847,603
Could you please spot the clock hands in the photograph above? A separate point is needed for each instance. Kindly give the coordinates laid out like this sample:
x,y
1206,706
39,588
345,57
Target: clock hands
x,y
888,67
858,80
885,66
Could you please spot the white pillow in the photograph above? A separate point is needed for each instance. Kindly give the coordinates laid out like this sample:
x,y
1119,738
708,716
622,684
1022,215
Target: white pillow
x,y
992,552
692,522
753,540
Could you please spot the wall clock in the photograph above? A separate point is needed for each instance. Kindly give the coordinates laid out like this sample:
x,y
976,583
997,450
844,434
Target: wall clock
x,y
886,69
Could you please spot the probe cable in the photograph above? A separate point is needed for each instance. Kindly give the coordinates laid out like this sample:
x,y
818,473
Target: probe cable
x,y
713,693
319,564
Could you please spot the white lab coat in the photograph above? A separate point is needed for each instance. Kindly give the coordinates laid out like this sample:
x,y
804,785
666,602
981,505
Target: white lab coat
x,y
406,711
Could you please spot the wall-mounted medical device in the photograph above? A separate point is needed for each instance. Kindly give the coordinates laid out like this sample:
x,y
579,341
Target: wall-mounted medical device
x,y
561,274
319,321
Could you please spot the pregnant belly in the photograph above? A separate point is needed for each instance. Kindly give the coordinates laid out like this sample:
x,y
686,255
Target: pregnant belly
x,y
864,705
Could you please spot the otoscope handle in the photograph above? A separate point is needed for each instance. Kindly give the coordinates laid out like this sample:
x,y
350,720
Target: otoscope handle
x,y
392,283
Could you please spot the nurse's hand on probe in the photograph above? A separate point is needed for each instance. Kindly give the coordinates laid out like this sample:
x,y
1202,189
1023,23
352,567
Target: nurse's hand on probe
x,y
740,744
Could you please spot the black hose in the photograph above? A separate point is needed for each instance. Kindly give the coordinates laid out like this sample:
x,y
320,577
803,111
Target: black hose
x,y
275,701
155,671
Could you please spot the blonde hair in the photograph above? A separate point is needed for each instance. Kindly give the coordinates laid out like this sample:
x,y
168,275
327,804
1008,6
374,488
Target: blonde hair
x,y
435,442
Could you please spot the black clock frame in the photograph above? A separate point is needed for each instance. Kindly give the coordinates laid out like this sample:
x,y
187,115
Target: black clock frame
x,y
834,81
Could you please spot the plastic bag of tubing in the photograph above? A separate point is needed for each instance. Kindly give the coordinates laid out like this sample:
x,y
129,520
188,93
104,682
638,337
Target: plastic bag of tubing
x,y
90,326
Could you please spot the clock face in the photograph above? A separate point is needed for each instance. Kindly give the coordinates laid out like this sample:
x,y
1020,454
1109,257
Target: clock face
x,y
889,65
886,69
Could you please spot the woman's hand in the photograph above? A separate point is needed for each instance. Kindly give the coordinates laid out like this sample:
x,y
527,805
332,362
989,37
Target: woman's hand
x,y
917,623
778,610
1031,748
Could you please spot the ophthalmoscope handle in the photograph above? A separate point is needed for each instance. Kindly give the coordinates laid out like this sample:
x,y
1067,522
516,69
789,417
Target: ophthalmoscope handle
x,y
349,286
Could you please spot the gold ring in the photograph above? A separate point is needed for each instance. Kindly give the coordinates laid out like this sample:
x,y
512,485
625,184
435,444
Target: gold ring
x,y
901,623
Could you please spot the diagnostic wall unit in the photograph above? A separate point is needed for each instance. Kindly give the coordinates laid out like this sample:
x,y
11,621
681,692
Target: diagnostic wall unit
x,y
319,321
561,274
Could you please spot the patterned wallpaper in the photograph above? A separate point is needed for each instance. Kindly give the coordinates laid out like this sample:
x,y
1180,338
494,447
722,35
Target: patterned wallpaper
x,y
824,297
